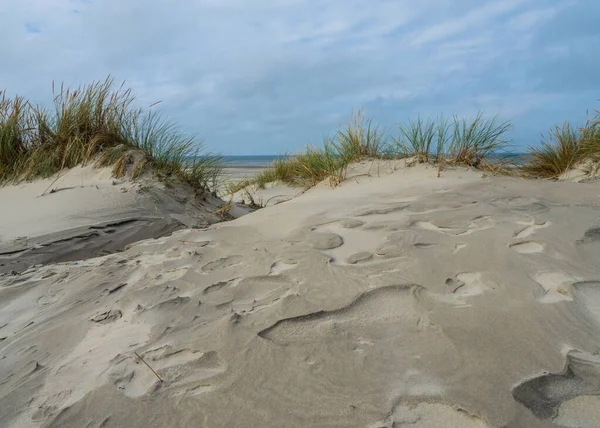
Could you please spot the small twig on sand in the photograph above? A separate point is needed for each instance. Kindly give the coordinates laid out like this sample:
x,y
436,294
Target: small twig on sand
x,y
153,371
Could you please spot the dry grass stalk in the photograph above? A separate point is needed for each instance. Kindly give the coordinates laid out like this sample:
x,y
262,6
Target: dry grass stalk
x,y
148,365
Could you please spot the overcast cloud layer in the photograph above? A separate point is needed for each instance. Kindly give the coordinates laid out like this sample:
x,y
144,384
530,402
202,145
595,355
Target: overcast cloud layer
x,y
269,76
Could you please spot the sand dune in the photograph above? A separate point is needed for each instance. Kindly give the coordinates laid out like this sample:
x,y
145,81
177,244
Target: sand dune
x,y
84,213
394,300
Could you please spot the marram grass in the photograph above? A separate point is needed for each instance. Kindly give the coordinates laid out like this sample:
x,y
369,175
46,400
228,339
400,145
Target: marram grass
x,y
436,140
565,148
97,123
559,152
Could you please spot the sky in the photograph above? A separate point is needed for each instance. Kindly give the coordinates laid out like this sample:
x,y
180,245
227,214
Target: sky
x,y
271,76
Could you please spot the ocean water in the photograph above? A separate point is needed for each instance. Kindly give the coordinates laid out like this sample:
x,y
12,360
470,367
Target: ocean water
x,y
256,161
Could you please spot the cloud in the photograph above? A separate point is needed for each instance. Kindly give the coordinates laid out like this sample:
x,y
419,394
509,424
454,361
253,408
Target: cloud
x,y
474,18
269,77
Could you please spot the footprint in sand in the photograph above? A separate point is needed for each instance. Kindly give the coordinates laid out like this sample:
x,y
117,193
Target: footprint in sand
x,y
427,225
476,225
528,247
391,251
281,266
521,205
465,285
351,241
530,228
362,256
479,224
351,223
382,306
326,241
555,287
571,398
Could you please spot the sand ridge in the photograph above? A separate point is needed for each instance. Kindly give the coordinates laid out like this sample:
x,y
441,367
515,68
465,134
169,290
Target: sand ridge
x,y
394,300
84,212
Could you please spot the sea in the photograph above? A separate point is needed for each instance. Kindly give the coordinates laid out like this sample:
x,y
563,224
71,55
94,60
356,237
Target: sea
x,y
263,161
254,161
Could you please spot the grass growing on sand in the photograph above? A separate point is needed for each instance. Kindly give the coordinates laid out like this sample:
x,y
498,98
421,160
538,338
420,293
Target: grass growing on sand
x,y
565,148
436,141
358,140
97,123
460,141
560,152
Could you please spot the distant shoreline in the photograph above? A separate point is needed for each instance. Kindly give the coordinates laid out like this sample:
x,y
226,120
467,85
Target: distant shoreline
x,y
242,166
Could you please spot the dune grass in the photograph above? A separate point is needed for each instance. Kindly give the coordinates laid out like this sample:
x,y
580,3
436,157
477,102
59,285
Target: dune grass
x,y
473,142
97,123
460,141
14,130
564,148
434,140
590,139
359,139
560,151
417,138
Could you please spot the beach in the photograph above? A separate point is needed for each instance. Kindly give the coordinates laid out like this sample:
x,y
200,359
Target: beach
x,y
405,296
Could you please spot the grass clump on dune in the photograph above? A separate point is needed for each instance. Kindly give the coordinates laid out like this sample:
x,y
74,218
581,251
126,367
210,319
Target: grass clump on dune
x,y
460,142
14,130
557,154
590,140
96,123
473,142
566,148
435,141
359,139
304,169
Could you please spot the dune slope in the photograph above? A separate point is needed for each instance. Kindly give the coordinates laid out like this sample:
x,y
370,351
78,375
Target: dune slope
x,y
85,212
397,299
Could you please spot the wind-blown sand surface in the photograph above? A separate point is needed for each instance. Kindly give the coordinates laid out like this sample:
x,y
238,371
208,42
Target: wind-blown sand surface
x,y
84,212
394,300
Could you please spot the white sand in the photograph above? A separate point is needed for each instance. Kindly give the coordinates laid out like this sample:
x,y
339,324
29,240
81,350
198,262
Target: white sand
x,y
85,212
398,299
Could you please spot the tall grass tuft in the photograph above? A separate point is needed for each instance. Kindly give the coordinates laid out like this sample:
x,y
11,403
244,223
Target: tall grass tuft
x,y
590,139
557,154
416,138
474,141
97,123
566,148
306,169
462,141
14,132
359,139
